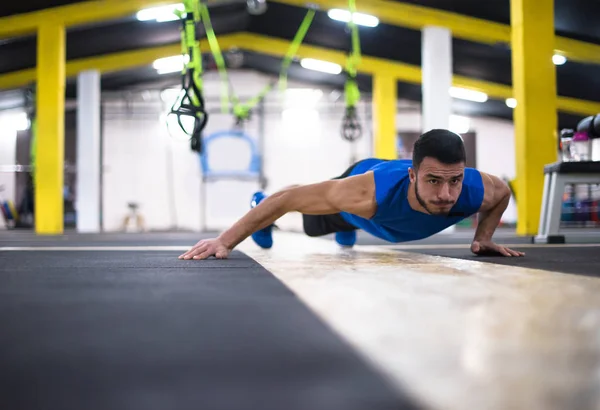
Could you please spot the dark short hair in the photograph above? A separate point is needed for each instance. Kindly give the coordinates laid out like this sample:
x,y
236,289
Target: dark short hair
x,y
443,145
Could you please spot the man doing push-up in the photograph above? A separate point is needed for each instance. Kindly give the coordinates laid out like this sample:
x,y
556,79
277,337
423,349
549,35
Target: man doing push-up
x,y
395,200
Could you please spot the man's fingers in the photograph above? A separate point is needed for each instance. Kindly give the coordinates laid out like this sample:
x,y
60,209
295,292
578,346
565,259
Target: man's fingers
x,y
204,255
188,254
191,250
516,253
490,248
512,252
198,249
504,251
205,249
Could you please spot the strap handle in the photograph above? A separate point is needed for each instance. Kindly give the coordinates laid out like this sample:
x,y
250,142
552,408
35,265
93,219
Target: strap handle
x,y
351,129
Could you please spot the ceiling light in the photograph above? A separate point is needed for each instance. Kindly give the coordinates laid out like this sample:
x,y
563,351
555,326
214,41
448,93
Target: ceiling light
x,y
160,14
358,18
256,7
170,64
557,59
470,95
323,66
511,102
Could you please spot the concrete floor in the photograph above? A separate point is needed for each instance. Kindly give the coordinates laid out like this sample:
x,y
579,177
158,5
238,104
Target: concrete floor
x,y
455,334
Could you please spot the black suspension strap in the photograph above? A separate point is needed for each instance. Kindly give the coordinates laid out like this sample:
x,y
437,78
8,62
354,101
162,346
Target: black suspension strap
x,y
189,107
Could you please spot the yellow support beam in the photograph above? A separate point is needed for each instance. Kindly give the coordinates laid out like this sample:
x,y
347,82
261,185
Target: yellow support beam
x,y
277,48
401,71
416,17
493,90
124,60
465,27
17,79
577,50
578,107
50,148
82,13
369,65
104,64
390,12
535,117
385,98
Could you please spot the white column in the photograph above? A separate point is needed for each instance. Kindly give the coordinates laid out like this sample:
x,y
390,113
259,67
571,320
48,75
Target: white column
x,y
436,64
88,152
8,155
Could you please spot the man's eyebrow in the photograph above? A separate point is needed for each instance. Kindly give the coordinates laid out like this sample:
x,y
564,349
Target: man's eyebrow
x,y
458,176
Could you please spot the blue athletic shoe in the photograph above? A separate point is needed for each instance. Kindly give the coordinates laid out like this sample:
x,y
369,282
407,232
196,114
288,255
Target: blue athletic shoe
x,y
264,237
347,239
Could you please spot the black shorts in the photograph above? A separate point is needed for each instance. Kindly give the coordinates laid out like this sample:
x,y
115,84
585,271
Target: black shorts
x,y
319,225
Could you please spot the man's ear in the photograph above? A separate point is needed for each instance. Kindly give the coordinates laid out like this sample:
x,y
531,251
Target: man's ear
x,y
412,174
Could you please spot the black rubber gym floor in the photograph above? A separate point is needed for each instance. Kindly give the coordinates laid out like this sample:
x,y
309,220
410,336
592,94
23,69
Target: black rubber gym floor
x,y
573,260
143,330
579,256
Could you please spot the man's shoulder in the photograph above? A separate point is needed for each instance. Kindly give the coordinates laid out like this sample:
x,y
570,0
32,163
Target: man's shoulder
x,y
473,191
381,165
393,166
495,189
473,178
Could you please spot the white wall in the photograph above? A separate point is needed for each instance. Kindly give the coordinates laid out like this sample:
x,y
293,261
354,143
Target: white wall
x,y
302,144
496,153
144,164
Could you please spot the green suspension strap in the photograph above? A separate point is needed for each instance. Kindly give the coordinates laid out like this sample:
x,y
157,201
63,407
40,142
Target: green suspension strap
x,y
189,106
218,56
351,128
242,111
296,42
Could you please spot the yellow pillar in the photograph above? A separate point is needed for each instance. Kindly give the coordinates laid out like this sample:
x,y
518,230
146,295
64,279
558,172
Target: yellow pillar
x,y
50,97
535,117
385,96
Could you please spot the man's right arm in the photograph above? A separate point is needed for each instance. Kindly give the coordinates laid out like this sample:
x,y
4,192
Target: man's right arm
x,y
354,195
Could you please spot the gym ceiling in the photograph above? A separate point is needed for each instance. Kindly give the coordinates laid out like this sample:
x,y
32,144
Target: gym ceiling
x,y
478,58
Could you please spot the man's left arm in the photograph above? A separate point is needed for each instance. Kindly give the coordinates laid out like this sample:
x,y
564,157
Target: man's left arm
x,y
495,201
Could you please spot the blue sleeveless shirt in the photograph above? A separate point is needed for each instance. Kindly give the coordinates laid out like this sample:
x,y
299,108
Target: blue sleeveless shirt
x,y
395,220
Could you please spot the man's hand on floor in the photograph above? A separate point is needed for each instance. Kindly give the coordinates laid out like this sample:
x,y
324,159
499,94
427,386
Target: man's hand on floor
x,y
207,248
489,248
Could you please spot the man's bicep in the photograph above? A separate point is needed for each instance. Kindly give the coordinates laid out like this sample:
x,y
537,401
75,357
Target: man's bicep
x,y
350,195
495,191
311,199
